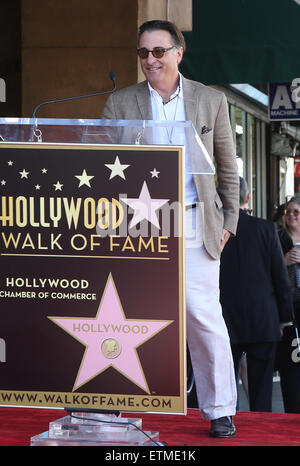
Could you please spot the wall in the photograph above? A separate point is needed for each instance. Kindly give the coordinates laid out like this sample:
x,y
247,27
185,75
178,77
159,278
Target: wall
x,y
10,58
69,47
54,49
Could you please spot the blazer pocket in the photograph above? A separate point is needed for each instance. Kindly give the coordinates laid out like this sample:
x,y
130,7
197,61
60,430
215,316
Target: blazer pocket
x,y
218,201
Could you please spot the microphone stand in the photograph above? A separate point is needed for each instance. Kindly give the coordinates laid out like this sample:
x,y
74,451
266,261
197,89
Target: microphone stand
x,y
65,99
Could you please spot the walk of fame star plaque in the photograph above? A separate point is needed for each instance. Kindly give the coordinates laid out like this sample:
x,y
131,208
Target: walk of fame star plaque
x,y
92,277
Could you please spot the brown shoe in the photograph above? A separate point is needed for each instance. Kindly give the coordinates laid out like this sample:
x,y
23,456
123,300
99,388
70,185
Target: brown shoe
x,y
223,427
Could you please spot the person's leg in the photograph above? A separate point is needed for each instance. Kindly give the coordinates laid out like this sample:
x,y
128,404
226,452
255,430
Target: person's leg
x,y
238,358
260,367
208,338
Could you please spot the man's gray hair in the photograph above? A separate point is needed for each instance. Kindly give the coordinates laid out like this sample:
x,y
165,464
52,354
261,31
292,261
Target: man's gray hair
x,y
162,25
244,191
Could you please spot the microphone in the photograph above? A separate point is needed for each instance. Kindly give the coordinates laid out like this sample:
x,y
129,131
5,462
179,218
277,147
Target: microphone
x,y
112,76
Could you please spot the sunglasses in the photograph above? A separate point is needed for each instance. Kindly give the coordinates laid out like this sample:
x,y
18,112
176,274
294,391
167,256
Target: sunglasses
x,y
157,52
292,211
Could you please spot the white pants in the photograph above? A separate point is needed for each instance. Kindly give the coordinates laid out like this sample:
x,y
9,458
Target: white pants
x,y
207,333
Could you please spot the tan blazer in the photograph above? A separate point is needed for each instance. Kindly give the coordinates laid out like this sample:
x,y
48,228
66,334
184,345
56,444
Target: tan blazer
x,y
207,109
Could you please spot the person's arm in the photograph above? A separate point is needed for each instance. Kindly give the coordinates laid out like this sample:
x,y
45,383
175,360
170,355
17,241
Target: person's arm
x,y
225,237
227,171
280,280
109,109
292,256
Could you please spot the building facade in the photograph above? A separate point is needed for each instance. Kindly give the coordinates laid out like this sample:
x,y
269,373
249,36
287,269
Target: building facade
x,y
51,50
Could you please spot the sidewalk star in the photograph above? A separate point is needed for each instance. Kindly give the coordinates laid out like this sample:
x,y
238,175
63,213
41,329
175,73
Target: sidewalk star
x,y
110,339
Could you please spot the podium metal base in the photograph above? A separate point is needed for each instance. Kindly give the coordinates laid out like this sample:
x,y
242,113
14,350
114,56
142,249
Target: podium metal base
x,y
90,429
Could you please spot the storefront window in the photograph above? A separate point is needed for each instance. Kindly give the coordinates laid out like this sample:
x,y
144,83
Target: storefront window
x,y
249,136
238,120
253,162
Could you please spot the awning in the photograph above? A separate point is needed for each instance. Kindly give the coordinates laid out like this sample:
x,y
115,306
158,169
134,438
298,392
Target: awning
x,y
243,41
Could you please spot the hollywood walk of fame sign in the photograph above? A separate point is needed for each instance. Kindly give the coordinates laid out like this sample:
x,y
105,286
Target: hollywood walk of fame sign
x,y
91,277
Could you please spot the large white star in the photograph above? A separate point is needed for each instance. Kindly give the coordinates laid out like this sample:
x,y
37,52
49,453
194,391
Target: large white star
x,y
84,179
154,173
24,173
117,168
144,207
58,186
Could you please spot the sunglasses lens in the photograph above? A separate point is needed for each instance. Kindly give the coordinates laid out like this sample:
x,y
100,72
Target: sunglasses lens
x,y
143,53
158,52
291,212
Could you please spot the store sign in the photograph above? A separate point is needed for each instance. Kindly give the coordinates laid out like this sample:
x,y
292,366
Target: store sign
x,y
284,101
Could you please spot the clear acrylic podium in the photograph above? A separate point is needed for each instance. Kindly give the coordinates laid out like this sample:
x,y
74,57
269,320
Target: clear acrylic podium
x,y
105,428
127,132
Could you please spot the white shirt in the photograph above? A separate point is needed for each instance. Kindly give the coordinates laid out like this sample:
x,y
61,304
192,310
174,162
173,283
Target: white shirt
x,y
173,111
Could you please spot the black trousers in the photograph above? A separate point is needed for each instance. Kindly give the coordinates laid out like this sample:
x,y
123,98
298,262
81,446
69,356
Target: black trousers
x,y
260,370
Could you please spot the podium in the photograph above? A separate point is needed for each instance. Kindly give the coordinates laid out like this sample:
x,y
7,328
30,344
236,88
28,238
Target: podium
x,y
92,272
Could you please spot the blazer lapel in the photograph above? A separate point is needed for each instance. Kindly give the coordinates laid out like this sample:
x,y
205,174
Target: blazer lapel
x,y
190,101
144,102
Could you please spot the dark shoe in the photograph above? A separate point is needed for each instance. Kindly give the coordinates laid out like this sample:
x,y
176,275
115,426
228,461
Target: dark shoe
x,y
223,427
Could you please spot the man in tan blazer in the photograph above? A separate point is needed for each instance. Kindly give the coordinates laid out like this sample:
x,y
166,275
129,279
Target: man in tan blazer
x,y
166,94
